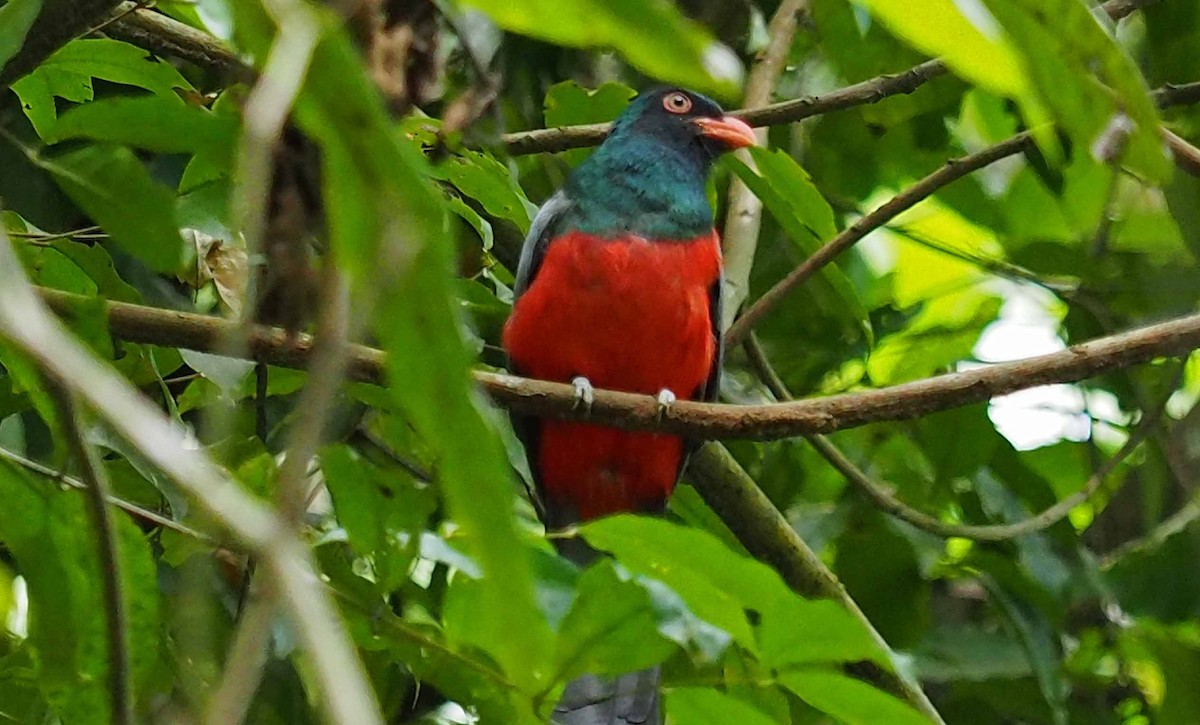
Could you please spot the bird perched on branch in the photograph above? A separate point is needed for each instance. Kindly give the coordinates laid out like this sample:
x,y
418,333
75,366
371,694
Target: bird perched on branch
x,y
619,287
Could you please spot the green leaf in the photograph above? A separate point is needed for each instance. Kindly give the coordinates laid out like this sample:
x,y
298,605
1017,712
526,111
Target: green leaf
x,y
1063,46
721,586
16,18
118,62
375,507
112,186
851,701
54,544
703,706
787,191
38,90
489,182
151,122
652,35
610,628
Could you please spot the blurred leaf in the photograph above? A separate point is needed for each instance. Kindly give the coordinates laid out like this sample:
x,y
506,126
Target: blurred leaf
x,y
16,17
1063,44
388,180
653,36
112,186
967,39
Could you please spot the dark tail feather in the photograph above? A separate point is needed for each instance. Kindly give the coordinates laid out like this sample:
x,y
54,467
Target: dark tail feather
x,y
630,699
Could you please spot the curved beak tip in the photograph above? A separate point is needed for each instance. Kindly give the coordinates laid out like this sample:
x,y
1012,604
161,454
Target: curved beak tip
x,y
729,130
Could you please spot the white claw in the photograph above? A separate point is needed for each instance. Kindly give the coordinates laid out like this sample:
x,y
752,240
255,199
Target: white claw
x,y
665,400
585,394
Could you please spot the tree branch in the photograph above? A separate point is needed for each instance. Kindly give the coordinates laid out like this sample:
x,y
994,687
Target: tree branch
x,y
165,36
767,535
108,552
951,171
1187,156
344,692
136,323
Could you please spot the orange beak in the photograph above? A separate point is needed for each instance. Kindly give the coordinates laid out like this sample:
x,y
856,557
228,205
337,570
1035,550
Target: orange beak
x,y
733,132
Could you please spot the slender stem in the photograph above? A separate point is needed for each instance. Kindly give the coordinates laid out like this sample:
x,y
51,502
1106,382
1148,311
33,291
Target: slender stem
x,y
108,551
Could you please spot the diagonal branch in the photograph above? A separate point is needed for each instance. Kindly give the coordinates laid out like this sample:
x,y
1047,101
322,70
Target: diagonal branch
x,y
768,536
137,323
951,171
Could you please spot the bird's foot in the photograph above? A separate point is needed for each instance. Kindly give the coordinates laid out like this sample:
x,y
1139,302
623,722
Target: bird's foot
x,y
585,394
665,400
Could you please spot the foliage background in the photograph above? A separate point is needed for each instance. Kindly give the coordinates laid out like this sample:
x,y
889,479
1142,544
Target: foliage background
x,y
389,209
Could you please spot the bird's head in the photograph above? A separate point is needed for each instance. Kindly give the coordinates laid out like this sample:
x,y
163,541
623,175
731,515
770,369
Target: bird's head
x,y
684,121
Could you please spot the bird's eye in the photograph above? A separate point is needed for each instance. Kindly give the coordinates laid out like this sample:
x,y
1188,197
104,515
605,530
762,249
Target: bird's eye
x,y
677,103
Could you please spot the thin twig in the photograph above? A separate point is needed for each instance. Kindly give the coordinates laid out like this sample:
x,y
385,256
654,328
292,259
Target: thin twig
x,y
1187,156
108,552
888,503
132,509
951,171
1177,522
345,695
137,323
744,215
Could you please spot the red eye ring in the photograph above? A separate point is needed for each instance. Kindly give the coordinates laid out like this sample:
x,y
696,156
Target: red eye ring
x,y
677,103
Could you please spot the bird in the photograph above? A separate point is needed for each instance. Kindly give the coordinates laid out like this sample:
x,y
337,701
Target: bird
x,y
618,287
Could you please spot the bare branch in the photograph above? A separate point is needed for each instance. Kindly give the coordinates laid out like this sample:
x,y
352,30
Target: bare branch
x,y
1177,522
167,37
24,323
888,503
952,170
132,509
137,323
1184,94
108,552
744,216
1187,156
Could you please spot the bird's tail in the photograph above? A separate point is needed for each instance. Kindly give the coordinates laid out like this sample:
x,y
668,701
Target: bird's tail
x,y
629,699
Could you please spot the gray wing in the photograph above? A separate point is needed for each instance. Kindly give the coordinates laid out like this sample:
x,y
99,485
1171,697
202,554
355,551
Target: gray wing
x,y
544,228
630,699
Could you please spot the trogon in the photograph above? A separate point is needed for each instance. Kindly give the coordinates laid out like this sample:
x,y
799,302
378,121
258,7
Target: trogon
x,y
619,287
